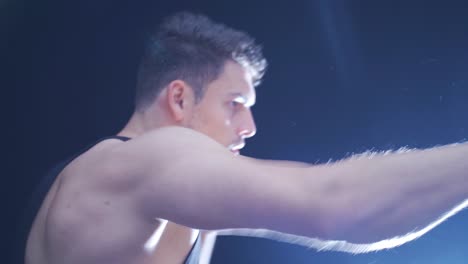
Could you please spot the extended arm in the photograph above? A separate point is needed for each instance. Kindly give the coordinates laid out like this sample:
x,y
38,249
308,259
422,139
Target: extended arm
x,y
191,180
384,200
379,196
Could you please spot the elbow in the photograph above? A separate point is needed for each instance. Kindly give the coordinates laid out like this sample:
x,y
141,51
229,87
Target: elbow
x,y
332,224
353,225
341,219
342,227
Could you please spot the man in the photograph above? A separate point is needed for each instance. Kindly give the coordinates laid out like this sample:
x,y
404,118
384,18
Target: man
x,y
174,173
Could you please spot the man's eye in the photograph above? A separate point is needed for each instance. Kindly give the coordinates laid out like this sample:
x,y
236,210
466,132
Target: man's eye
x,y
235,104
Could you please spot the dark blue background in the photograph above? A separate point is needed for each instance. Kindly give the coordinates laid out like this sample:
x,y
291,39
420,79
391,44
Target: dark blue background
x,y
344,77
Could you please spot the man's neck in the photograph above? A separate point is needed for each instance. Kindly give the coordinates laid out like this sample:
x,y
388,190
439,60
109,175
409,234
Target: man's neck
x,y
134,127
139,124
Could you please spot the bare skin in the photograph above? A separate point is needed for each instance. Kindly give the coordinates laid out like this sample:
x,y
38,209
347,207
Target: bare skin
x,y
223,114
174,244
103,207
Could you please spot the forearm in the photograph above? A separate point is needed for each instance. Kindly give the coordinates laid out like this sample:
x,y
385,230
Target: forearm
x,y
379,196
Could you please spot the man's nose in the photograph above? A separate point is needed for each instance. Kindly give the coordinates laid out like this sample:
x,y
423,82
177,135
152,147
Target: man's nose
x,y
247,128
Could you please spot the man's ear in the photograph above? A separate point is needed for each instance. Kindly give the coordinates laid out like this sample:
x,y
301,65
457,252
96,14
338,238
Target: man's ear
x,y
179,98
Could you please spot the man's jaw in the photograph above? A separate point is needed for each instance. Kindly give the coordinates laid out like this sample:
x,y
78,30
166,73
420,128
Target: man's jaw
x,y
236,147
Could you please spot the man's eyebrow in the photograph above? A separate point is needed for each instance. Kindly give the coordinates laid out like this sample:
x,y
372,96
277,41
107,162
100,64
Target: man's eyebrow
x,y
245,99
235,94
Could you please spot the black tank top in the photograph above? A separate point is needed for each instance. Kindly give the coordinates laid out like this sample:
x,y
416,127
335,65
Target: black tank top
x,y
40,193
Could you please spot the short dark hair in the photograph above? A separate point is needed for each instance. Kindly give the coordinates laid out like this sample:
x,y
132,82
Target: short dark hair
x,y
193,48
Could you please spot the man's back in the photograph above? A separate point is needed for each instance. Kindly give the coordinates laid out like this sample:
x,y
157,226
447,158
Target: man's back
x,y
89,218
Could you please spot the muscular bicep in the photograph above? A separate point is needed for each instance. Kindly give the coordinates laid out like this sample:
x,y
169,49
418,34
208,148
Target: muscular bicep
x,y
187,178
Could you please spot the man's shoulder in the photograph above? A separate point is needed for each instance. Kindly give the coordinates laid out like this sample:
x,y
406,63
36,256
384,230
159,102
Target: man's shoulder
x,y
106,164
91,167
